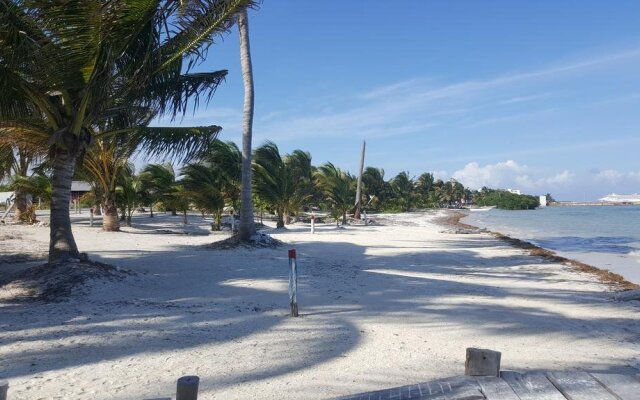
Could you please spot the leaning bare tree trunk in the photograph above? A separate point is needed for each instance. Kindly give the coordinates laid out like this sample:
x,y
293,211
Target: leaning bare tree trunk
x,y
246,228
62,245
359,187
110,219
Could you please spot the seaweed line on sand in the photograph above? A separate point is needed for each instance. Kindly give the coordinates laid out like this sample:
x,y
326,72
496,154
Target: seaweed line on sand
x,y
605,276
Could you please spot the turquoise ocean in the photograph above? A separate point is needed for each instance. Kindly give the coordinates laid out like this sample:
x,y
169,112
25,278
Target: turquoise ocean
x,y
604,236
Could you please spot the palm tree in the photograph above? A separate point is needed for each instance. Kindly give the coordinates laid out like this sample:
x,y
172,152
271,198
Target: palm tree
x,y
38,185
281,182
338,187
127,193
225,160
109,157
205,185
403,188
375,187
246,228
15,163
423,189
181,199
76,65
159,180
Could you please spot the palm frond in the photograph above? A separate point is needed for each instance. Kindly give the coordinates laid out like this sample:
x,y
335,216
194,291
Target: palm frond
x,y
173,143
192,26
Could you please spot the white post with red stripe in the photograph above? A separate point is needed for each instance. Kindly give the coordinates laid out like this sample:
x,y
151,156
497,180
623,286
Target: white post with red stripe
x,y
293,283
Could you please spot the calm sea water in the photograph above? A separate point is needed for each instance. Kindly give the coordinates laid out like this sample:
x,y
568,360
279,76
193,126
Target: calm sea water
x,y
606,237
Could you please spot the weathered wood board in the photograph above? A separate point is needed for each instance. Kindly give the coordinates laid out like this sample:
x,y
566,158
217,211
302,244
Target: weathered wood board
x,y
575,385
579,386
531,386
456,388
496,388
627,387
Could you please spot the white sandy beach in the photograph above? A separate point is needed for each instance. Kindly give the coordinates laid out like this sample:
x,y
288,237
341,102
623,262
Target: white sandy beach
x,y
381,306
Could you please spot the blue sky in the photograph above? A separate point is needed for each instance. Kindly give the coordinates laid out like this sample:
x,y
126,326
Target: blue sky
x,y
540,96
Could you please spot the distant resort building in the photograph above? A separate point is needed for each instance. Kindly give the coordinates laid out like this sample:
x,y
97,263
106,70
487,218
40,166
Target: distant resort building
x,y
78,189
514,191
622,198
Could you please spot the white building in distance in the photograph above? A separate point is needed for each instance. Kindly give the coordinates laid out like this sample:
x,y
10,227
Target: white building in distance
x,y
543,201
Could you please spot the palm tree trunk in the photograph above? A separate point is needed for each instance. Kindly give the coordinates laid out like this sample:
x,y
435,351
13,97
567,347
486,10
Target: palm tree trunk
x,y
344,217
62,245
151,210
218,220
280,222
246,228
21,204
184,217
110,220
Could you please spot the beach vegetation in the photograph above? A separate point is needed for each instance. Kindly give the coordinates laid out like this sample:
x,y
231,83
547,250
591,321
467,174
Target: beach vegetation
x,y
505,200
282,183
69,68
206,186
338,188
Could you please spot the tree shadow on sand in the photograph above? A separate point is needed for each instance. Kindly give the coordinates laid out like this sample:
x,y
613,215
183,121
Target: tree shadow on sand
x,y
185,298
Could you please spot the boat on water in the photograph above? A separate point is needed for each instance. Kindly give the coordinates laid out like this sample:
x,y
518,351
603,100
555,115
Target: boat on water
x,y
622,198
485,208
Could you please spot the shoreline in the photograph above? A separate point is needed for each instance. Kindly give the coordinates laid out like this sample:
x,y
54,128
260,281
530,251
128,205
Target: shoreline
x,y
613,279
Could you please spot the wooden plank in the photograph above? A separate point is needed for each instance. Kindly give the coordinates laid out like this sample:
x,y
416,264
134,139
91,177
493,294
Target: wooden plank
x,y
626,387
579,386
4,389
531,386
458,388
496,388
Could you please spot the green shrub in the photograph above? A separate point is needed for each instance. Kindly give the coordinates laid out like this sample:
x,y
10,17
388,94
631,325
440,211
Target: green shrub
x,y
507,200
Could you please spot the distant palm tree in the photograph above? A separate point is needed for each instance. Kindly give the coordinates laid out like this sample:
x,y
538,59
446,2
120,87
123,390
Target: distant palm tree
x,y
15,163
403,188
338,187
225,160
246,228
160,180
76,65
423,189
181,199
281,182
205,185
375,187
127,193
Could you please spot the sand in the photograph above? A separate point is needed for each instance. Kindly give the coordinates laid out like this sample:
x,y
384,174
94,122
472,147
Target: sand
x,y
380,306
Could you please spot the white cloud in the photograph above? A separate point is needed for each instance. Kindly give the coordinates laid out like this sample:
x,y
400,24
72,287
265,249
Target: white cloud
x,y
612,176
609,175
441,174
509,174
